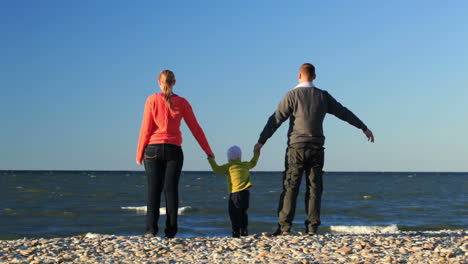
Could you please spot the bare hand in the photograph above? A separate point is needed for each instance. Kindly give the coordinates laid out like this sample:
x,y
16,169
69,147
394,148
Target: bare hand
x,y
258,147
369,135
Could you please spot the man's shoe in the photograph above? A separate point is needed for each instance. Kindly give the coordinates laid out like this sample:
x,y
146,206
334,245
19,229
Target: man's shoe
x,y
148,235
236,234
281,233
312,232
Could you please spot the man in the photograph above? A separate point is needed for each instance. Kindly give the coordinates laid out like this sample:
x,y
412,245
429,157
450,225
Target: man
x,y
306,107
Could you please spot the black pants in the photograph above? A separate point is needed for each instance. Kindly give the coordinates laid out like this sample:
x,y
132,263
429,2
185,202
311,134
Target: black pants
x,y
163,165
238,206
300,158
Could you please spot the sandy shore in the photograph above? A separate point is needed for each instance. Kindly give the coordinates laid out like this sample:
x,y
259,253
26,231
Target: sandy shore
x,y
397,247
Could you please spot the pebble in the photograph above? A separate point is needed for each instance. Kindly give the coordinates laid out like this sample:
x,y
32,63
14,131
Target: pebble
x,y
344,250
446,246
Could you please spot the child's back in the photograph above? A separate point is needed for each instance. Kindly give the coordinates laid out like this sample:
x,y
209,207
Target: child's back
x,y
238,183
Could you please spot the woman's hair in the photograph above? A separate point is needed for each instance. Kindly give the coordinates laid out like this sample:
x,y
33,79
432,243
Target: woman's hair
x,y
167,81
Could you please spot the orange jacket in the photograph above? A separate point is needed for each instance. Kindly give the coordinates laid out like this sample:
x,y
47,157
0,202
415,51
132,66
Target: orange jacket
x,y
161,125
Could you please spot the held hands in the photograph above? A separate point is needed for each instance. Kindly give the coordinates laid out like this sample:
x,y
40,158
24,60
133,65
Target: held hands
x,y
258,147
369,135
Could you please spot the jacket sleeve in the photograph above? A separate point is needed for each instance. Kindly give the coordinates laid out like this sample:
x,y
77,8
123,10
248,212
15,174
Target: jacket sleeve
x,y
343,113
196,129
147,127
223,169
253,162
282,113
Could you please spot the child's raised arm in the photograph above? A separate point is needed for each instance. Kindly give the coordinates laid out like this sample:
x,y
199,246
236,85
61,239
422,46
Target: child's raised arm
x,y
253,162
223,169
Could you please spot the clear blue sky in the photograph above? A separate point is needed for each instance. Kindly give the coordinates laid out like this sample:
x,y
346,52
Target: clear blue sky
x,y
74,76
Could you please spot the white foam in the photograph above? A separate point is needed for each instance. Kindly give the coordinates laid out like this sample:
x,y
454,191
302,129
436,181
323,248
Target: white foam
x,y
94,235
138,209
162,210
364,229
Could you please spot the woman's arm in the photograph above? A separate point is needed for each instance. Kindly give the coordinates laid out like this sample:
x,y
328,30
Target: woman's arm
x,y
195,128
147,126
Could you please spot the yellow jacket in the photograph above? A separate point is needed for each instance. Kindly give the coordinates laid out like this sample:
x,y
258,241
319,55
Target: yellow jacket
x,y
237,171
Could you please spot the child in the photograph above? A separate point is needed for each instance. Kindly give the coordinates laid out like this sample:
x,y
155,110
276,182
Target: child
x,y
238,182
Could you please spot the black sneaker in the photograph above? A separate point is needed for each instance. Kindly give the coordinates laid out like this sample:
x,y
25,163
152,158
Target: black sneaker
x,y
236,234
278,232
244,232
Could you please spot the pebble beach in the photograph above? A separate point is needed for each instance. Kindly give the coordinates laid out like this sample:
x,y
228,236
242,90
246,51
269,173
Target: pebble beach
x,y
446,246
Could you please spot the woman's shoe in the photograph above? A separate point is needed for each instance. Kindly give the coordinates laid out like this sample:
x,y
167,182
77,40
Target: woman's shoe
x,y
244,232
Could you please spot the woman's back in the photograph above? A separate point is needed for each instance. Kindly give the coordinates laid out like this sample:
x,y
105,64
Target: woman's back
x,y
167,121
161,124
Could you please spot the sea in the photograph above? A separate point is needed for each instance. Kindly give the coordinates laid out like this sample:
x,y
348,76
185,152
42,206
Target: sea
x,y
46,204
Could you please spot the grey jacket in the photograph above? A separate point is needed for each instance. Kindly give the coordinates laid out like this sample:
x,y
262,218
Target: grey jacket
x,y
306,108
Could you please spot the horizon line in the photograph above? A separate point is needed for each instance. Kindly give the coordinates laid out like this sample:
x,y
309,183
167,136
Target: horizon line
x,y
352,171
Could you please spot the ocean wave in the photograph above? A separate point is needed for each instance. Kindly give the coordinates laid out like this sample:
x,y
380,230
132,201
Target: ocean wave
x,y
36,213
416,209
95,235
9,212
162,210
364,229
364,197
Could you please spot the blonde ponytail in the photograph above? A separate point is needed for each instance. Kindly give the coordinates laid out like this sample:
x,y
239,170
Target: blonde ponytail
x,y
167,80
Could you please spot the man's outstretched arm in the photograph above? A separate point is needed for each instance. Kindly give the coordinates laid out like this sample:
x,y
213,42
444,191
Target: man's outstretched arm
x,y
369,135
343,113
282,113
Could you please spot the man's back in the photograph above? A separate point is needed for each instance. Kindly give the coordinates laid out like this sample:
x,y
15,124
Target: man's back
x,y
306,106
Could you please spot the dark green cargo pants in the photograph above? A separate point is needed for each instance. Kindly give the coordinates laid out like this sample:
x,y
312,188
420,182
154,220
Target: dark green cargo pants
x,y
300,158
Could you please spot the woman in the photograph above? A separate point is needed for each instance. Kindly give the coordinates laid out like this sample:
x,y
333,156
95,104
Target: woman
x,y
159,146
